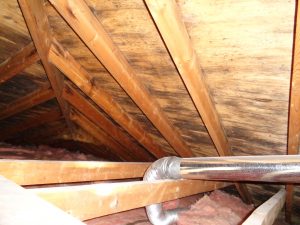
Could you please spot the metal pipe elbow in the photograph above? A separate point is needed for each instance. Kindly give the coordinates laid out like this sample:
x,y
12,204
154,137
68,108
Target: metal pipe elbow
x,y
164,168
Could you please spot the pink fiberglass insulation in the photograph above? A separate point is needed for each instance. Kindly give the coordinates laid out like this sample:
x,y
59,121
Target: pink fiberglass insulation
x,y
218,208
42,152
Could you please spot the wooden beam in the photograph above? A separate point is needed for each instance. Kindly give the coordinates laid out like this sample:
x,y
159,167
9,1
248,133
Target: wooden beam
x,y
104,199
27,102
294,110
55,172
169,22
95,149
93,146
17,63
37,134
101,136
268,211
89,111
30,122
289,202
294,120
174,33
48,139
83,80
39,28
85,24
20,207
244,192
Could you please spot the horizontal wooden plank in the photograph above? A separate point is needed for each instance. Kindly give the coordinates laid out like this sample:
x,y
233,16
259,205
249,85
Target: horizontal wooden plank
x,y
20,207
108,198
268,211
47,172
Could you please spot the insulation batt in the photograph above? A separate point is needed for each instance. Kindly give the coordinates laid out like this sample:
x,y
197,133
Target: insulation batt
x,y
218,208
42,152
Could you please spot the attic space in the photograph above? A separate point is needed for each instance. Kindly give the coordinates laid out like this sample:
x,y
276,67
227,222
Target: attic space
x,y
149,112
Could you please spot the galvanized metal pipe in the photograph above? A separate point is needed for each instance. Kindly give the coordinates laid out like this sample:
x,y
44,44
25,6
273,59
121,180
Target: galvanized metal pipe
x,y
271,168
165,168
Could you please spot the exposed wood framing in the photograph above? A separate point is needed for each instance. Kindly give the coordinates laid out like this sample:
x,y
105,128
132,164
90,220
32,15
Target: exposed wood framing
x,y
289,202
39,28
294,120
268,211
101,136
104,199
170,24
92,146
87,145
86,25
36,136
244,192
48,140
89,111
83,80
30,122
79,139
20,207
294,111
51,172
27,102
17,63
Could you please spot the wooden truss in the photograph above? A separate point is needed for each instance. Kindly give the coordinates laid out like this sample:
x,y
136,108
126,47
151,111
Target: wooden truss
x,y
31,206
294,109
95,37
99,199
59,63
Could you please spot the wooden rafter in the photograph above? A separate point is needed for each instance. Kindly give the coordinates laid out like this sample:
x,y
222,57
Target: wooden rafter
x,y
50,139
289,202
17,63
64,61
36,136
39,28
104,199
55,172
27,102
167,18
89,111
294,110
266,213
92,146
170,24
101,136
52,115
20,207
86,25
